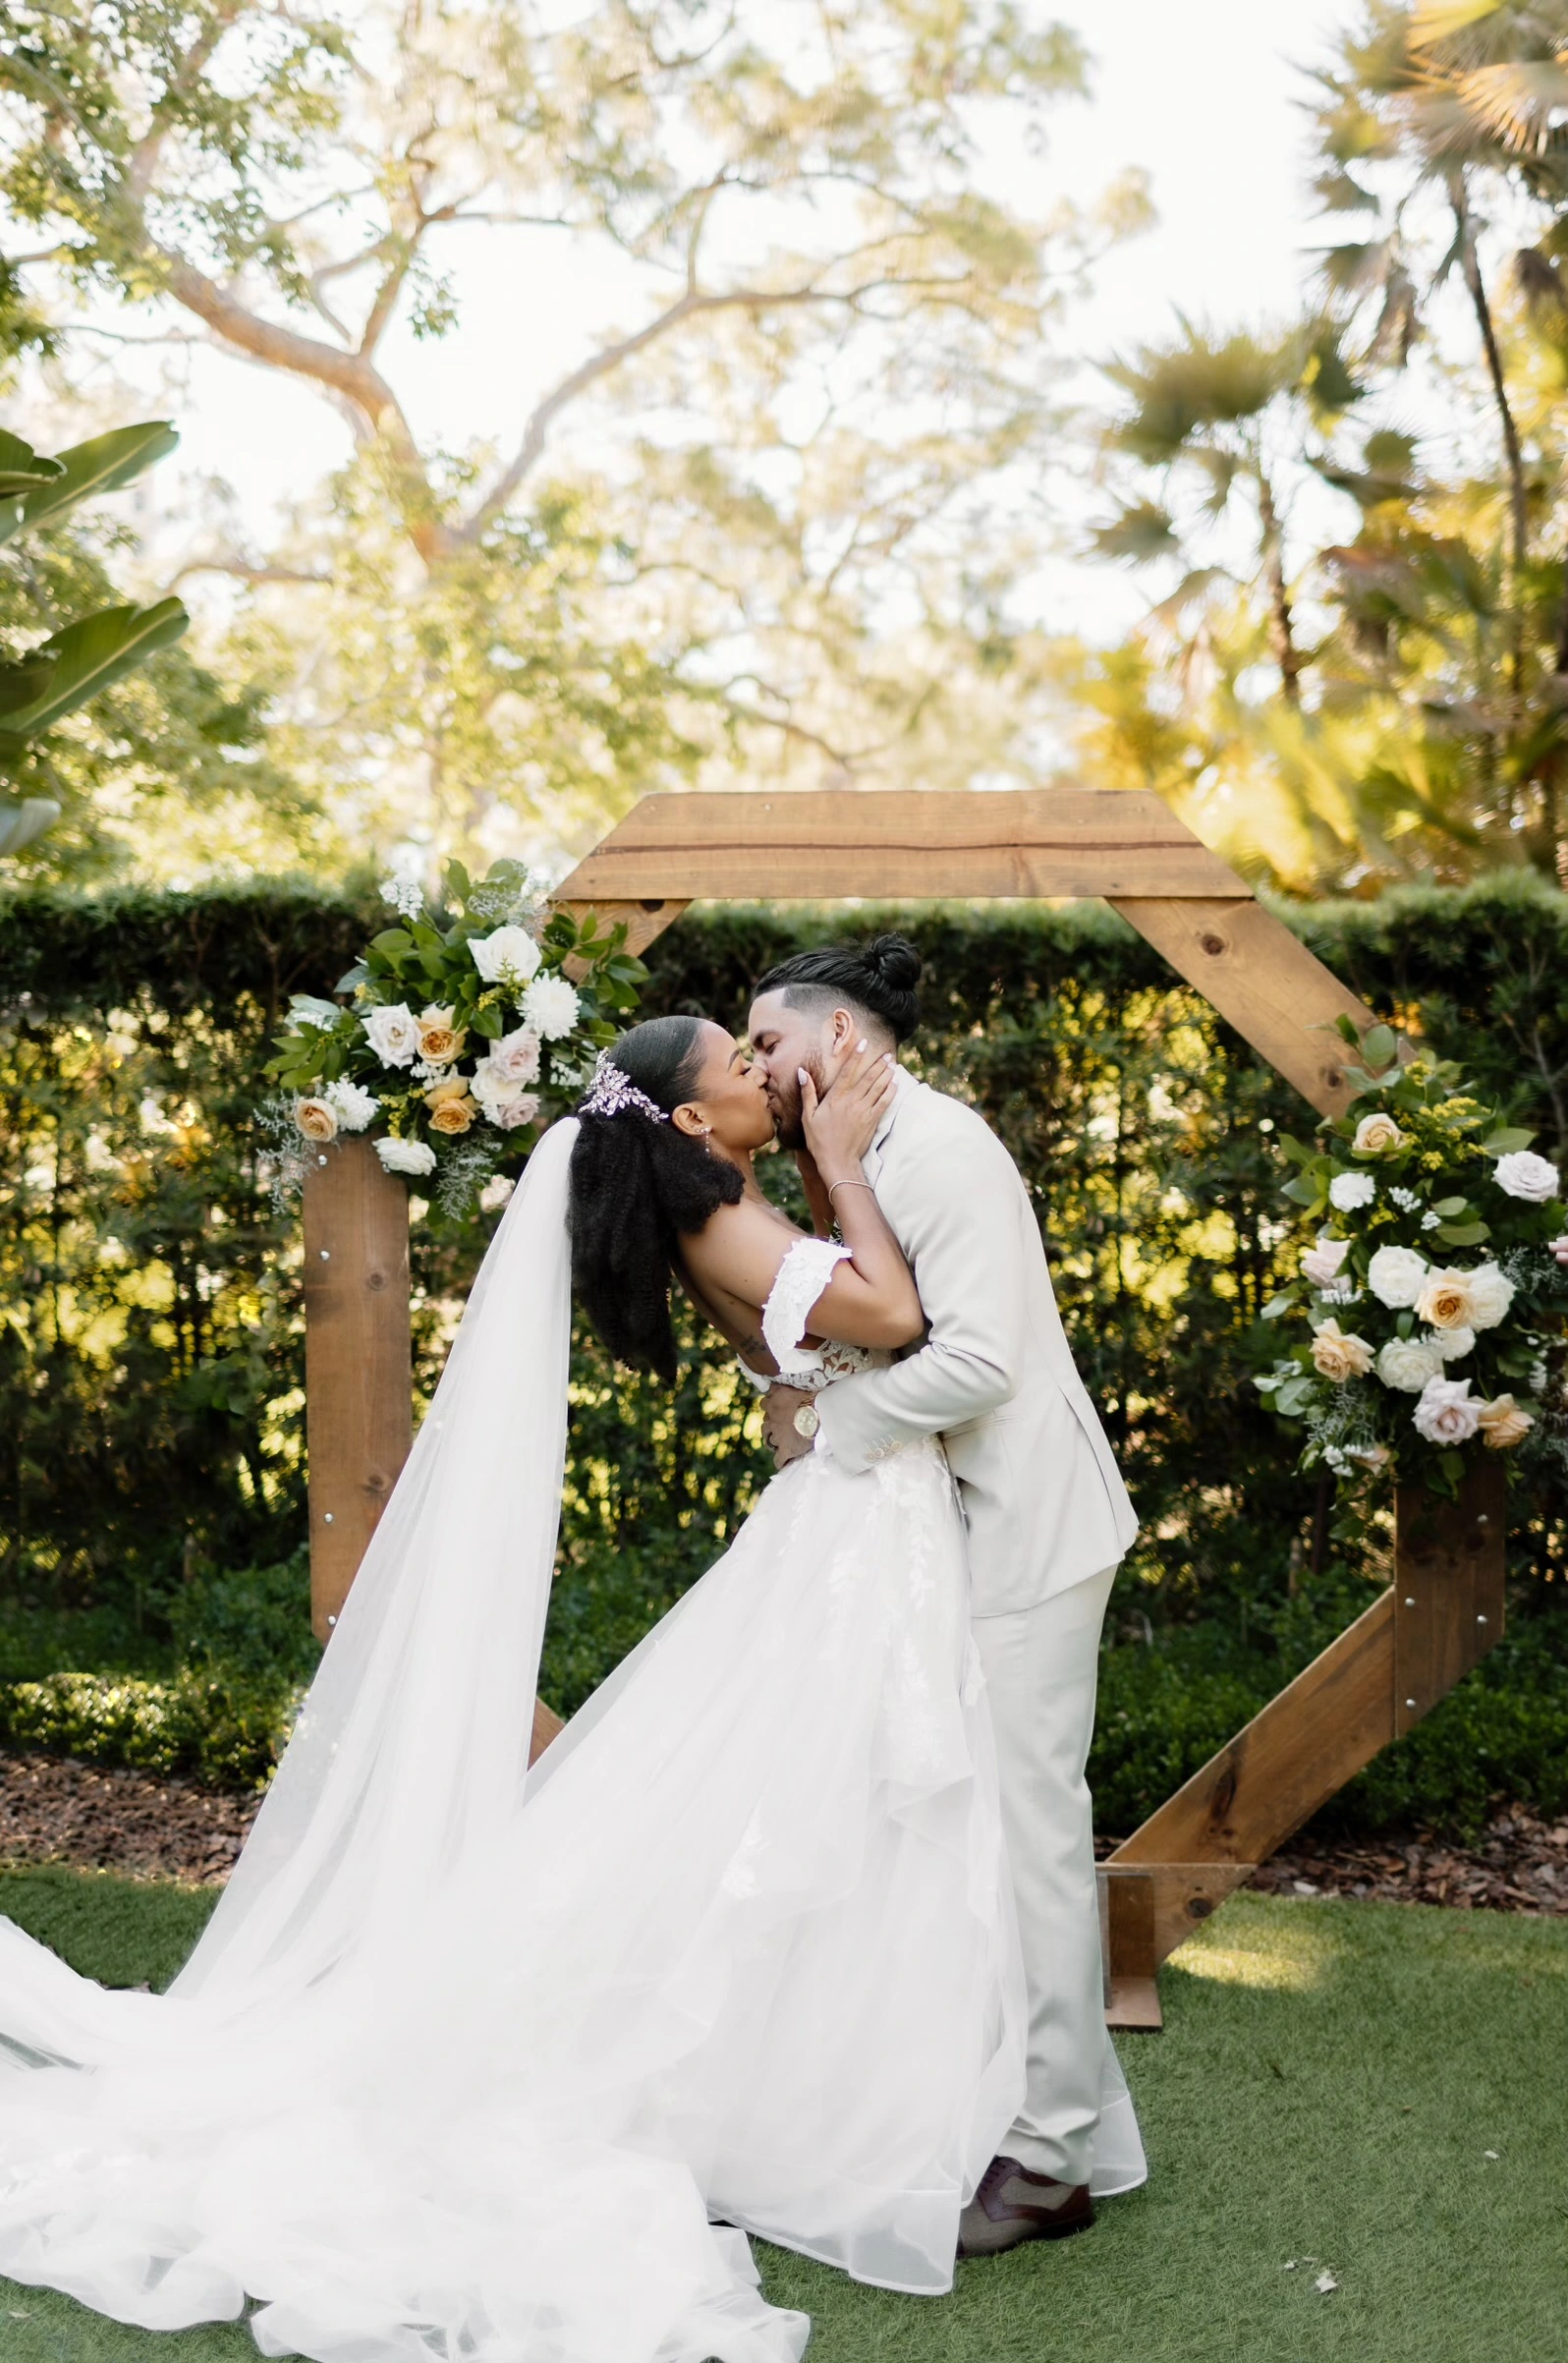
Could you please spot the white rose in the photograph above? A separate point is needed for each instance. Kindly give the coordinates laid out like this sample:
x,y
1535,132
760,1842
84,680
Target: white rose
x,y
1375,1135
1395,1275
1490,1294
1522,1174
405,1156
1445,1414
509,956
353,1105
1348,1191
1453,1344
500,1098
1407,1363
1320,1263
516,1055
393,1034
550,1007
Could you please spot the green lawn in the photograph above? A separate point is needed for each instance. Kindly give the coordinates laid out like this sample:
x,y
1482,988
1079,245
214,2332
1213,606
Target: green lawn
x,y
1330,2080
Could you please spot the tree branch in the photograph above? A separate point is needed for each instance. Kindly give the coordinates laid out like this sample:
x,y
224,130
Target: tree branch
x,y
689,306
368,399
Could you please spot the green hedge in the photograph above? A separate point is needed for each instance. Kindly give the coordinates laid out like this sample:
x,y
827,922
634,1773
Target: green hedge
x,y
151,1335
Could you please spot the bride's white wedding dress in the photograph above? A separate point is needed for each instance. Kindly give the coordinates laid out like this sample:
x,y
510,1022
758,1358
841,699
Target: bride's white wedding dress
x,y
468,2057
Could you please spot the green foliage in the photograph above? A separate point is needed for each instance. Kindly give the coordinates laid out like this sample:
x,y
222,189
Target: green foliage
x,y
150,1401
80,660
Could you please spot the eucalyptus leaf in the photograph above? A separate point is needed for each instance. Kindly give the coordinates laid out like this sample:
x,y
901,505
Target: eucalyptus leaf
x,y
1305,1193
1380,1047
1462,1234
1448,1207
1280,1305
1508,1141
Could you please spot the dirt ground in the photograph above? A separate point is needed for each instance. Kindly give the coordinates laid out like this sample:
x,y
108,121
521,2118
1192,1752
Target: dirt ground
x,y
53,1810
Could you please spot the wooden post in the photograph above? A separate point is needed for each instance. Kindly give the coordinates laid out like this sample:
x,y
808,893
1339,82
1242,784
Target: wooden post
x,y
357,1366
1448,1586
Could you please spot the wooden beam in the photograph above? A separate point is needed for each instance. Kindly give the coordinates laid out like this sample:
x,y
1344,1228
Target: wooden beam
x,y
1276,993
1289,1759
893,844
359,1378
1448,1586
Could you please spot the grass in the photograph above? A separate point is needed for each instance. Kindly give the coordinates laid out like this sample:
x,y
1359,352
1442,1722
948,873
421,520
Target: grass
x,y
1330,2080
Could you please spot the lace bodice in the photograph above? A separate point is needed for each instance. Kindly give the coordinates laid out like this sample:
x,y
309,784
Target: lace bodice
x,y
798,1281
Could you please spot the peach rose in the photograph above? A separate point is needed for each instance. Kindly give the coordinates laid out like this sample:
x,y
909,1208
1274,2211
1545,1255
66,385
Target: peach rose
x,y
439,1040
453,1116
315,1119
1375,1136
1444,1301
1338,1357
1502,1423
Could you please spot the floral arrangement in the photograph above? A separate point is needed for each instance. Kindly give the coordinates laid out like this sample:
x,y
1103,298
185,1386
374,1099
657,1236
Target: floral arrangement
x,y
463,1036
1433,1286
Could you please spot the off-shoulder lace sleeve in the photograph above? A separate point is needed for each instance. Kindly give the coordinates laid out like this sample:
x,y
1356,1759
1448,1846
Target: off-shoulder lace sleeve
x,y
798,1284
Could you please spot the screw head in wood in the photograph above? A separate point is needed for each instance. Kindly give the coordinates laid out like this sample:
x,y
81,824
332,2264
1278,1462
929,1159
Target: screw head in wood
x,y
332,1620
1480,1620
326,1517
326,1255
1408,1601
1482,1519
321,1160
1410,1702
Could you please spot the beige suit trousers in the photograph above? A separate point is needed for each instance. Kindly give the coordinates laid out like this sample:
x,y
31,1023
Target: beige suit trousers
x,y
1040,1670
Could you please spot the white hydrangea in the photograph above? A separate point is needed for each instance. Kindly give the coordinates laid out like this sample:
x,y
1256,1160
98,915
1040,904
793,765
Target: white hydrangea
x,y
1407,1363
1522,1174
393,1034
405,1156
1395,1275
1539,1376
507,956
1348,1191
1405,1199
1431,1221
404,897
550,1006
353,1105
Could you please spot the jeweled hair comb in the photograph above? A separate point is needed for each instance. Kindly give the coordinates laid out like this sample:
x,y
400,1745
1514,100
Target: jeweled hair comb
x,y
612,1092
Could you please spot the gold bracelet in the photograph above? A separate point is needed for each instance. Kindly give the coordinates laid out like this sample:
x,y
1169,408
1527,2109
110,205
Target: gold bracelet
x,y
847,1184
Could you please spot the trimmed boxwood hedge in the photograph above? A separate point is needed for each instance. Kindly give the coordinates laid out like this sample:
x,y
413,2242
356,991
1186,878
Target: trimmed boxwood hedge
x,y
151,1331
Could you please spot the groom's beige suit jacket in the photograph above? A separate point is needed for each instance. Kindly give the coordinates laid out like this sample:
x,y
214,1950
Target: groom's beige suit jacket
x,y
994,1377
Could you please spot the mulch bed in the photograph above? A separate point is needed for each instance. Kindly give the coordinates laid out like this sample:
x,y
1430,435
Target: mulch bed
x,y
54,1809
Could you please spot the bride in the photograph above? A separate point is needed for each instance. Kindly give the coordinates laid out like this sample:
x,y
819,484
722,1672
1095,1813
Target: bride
x,y
473,2062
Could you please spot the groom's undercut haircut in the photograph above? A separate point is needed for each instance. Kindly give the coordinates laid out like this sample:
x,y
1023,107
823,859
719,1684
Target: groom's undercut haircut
x,y
877,980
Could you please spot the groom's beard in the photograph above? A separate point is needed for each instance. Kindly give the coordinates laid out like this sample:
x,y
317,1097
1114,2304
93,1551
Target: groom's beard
x,y
785,1100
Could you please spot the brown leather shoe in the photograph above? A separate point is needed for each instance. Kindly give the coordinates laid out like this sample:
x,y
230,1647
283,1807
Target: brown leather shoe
x,y
1014,2205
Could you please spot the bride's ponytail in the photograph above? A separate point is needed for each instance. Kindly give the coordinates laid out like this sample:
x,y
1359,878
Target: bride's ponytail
x,y
637,1183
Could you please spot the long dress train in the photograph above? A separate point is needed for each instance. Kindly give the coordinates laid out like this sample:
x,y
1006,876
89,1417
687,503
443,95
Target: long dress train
x,y
467,2059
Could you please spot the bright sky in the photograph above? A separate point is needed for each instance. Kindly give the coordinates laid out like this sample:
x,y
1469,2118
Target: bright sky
x,y
1205,96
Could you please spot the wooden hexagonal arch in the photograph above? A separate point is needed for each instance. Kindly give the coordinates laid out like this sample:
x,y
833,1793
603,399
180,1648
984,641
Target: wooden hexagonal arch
x,y
1445,1605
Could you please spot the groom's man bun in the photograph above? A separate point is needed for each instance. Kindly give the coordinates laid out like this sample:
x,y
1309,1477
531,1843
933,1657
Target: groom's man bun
x,y
880,978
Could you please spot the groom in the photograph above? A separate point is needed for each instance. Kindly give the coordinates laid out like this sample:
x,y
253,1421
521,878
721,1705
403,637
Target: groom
x,y
1047,1513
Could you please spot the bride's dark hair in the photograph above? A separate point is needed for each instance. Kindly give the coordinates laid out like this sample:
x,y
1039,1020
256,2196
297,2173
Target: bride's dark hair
x,y
636,1185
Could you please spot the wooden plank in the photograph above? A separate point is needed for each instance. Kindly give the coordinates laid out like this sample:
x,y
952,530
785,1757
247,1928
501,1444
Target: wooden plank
x,y
357,1366
893,843
1276,993
546,1724
1134,2006
1448,1586
1292,1757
